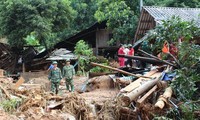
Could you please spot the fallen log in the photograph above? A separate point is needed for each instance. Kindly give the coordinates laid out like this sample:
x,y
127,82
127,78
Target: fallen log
x,y
138,82
145,59
163,98
164,61
116,69
141,100
133,95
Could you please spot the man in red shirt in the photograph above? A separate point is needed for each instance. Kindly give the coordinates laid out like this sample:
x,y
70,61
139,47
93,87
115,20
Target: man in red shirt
x,y
121,60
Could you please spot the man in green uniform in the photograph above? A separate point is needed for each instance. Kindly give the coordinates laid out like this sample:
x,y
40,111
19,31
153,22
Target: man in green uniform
x,y
68,73
55,77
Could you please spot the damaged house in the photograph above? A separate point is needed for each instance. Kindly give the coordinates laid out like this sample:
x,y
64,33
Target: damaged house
x,y
152,16
97,36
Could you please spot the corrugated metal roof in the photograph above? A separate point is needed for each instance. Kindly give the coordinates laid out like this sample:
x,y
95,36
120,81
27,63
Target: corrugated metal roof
x,y
151,16
164,13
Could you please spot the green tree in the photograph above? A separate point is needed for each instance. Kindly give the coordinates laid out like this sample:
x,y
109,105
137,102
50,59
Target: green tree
x,y
46,18
85,54
84,17
85,10
120,19
185,3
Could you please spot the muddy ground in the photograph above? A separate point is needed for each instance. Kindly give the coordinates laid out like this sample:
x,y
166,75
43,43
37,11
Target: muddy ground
x,y
97,95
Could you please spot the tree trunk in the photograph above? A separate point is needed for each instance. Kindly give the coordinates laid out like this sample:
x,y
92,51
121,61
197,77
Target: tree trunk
x,y
163,98
133,95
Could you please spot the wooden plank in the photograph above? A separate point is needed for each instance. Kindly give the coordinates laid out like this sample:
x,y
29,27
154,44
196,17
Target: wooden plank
x,y
141,100
137,82
19,82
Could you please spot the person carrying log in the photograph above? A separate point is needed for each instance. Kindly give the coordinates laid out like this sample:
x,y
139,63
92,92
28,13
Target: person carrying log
x,y
55,77
68,73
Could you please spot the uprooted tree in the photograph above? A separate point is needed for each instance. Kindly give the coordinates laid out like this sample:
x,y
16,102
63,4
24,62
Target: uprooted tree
x,y
184,36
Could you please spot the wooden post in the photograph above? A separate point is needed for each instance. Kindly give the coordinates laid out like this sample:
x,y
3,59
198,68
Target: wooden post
x,y
116,69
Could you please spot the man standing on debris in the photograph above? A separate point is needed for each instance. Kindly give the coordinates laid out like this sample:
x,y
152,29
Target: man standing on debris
x,y
55,77
68,73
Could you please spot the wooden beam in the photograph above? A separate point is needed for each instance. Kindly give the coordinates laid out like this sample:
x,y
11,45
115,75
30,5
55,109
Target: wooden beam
x,y
145,59
138,82
19,82
116,69
164,61
141,100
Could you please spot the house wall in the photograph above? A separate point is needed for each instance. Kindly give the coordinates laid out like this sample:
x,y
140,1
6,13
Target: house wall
x,y
102,37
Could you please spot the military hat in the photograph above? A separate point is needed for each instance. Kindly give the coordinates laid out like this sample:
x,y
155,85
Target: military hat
x,y
125,46
67,60
129,45
54,62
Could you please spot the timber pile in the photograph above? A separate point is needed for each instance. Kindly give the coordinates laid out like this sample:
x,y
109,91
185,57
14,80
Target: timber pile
x,y
36,104
140,99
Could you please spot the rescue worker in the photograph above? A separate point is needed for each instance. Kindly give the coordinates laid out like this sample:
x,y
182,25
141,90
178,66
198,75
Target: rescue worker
x,y
68,73
126,51
130,53
55,77
121,59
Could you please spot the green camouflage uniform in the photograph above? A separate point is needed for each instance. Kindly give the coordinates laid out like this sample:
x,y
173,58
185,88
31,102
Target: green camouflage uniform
x,y
68,73
55,78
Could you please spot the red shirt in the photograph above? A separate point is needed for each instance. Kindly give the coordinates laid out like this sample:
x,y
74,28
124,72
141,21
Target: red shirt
x,y
131,51
121,51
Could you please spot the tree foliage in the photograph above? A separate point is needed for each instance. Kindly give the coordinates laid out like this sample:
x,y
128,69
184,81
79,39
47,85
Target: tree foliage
x,y
120,18
85,54
185,3
56,20
46,18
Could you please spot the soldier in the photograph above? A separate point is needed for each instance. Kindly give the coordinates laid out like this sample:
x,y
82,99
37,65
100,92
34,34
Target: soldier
x,y
55,77
68,73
